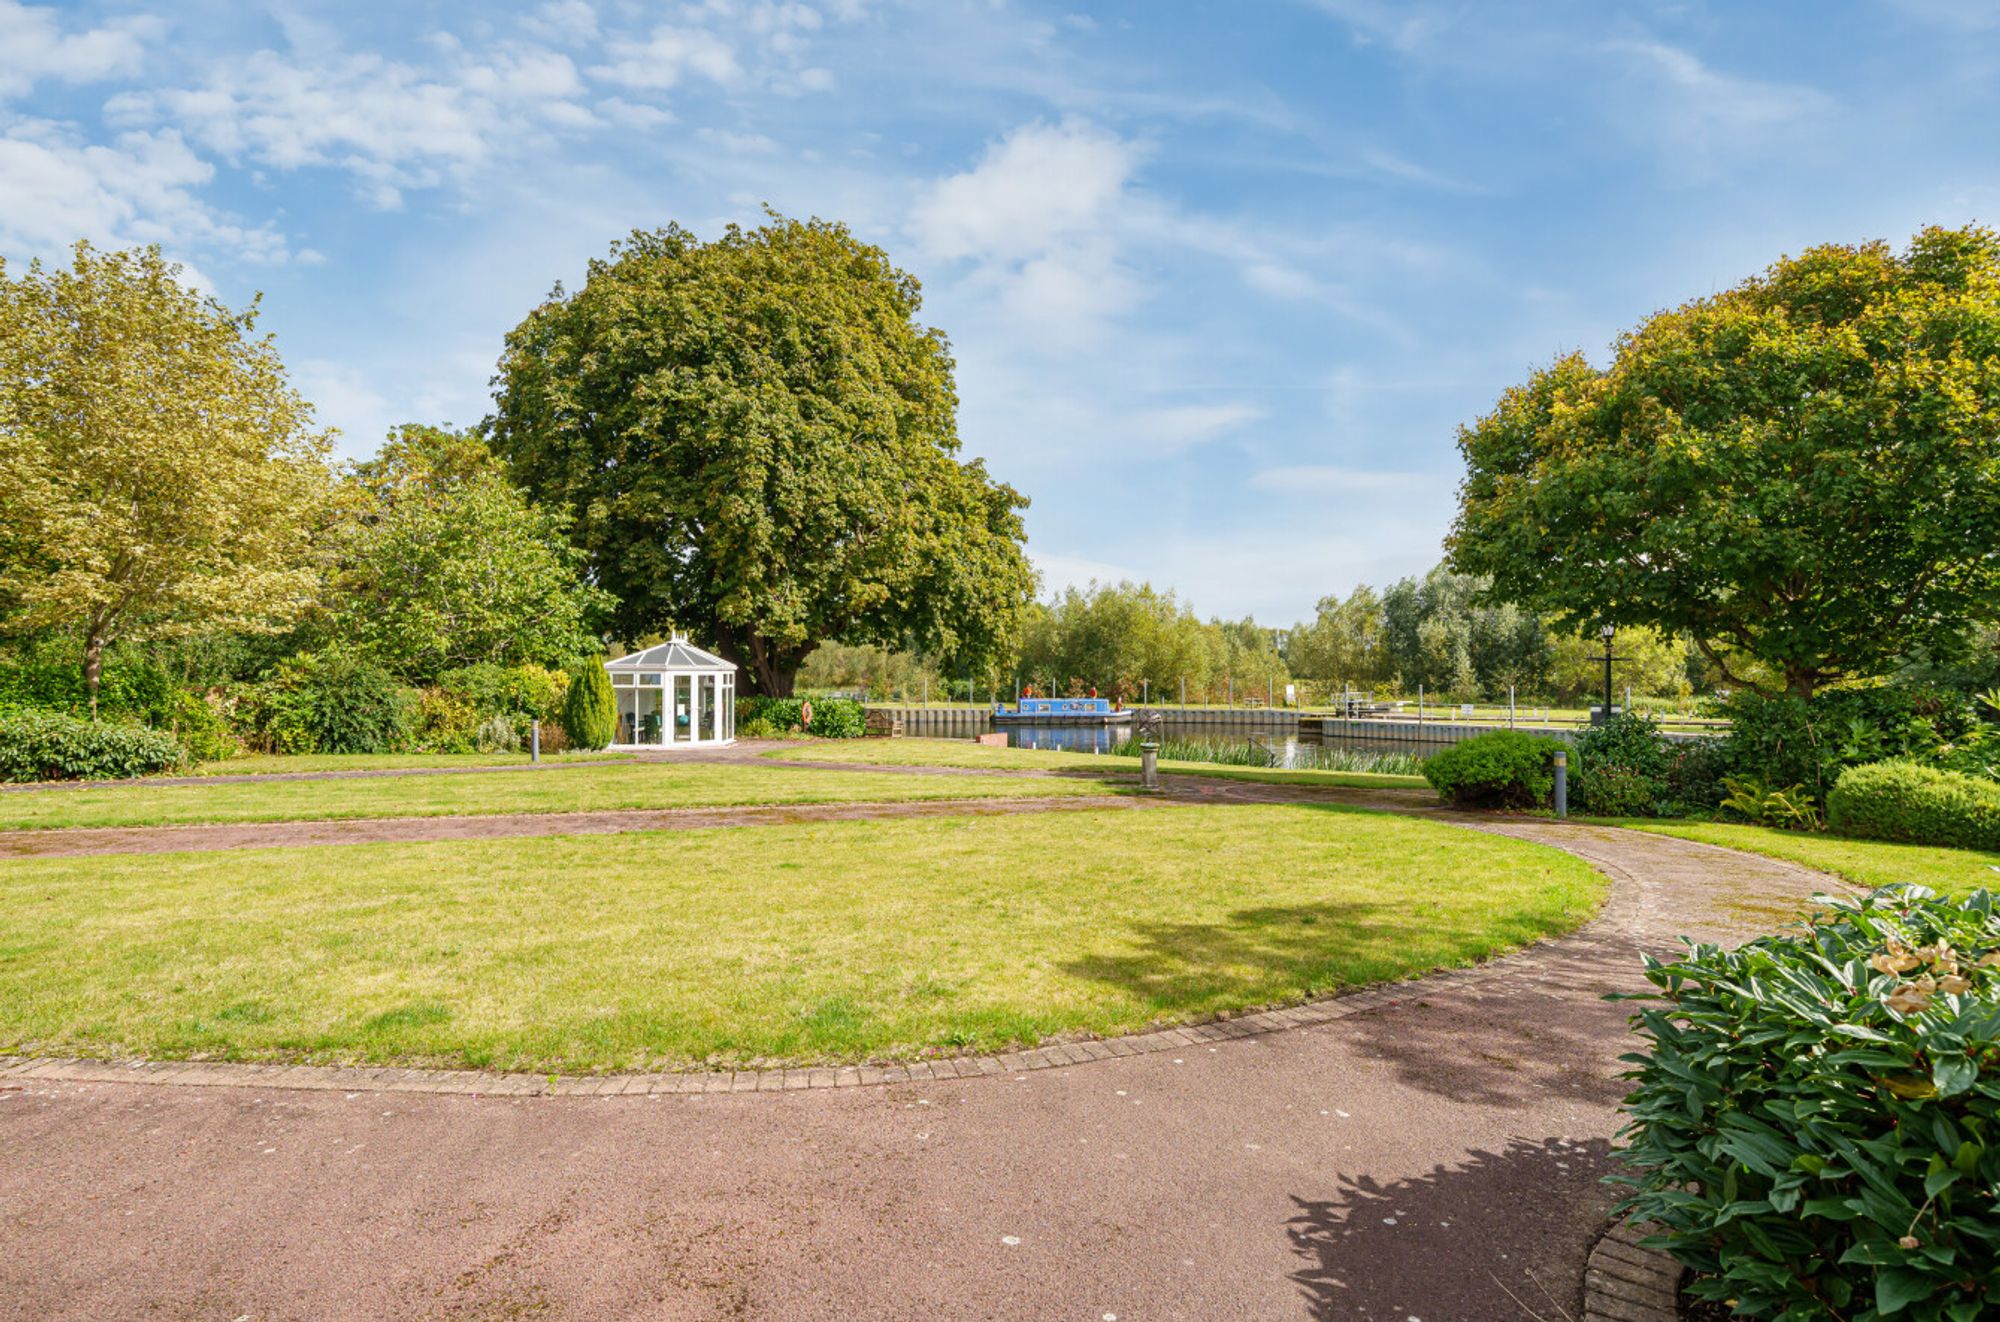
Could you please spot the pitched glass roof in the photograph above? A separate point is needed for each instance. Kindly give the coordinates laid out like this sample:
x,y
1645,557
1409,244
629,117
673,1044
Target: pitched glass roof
x,y
674,654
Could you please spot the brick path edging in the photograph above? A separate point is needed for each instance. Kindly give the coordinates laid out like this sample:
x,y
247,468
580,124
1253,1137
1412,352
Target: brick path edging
x,y
232,1074
1623,1282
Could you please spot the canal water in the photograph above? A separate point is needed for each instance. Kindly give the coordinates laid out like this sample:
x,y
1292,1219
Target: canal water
x,y
1284,739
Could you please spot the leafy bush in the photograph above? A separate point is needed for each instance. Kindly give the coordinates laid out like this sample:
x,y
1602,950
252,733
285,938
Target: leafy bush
x,y
1974,753
496,734
527,692
757,728
1789,741
1501,769
1916,805
1620,769
1695,770
1791,808
833,718
1816,1124
838,718
49,675
443,722
590,711
49,745
202,730
333,702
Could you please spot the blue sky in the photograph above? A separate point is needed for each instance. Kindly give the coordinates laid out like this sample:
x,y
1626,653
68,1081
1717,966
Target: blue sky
x,y
1221,278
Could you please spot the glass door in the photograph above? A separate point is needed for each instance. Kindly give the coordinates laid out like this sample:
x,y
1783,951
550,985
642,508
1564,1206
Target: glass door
x,y
683,702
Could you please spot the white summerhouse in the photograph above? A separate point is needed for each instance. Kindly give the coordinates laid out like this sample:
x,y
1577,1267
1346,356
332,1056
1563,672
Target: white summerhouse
x,y
673,695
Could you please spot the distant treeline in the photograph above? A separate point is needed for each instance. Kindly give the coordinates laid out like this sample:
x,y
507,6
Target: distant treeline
x,y
1126,640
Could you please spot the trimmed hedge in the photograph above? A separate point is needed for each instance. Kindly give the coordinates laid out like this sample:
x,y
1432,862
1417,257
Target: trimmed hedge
x,y
1817,1122
1502,769
48,745
1916,805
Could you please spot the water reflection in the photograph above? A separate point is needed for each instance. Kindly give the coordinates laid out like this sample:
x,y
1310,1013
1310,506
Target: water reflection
x,y
1282,747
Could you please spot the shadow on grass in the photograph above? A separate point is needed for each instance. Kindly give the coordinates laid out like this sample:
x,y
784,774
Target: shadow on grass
x,y
1492,1236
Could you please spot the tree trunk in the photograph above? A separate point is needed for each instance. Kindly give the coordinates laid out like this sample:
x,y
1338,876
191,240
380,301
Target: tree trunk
x,y
762,667
93,668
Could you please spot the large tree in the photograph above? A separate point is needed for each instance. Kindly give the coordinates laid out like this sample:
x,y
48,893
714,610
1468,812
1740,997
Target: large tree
x,y
1803,470
157,474
758,442
444,563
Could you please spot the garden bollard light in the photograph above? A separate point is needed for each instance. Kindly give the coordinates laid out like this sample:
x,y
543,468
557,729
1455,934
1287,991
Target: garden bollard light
x,y
1149,765
534,741
1562,783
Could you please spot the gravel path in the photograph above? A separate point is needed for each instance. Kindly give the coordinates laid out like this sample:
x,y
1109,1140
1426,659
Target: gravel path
x,y
1434,1156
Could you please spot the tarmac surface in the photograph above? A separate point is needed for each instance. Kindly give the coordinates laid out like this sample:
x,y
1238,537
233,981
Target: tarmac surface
x,y
1435,1159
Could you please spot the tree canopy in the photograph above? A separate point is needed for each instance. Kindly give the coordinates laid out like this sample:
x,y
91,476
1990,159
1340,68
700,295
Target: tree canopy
x,y
444,564
160,475
758,443
1132,640
1802,472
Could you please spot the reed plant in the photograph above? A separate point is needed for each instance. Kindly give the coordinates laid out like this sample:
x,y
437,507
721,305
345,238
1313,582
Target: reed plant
x,y
1304,757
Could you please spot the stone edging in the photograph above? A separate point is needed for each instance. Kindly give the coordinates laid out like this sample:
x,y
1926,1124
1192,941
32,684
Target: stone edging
x,y
1625,1283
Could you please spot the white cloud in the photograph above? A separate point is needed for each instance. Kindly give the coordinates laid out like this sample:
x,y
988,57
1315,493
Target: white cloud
x,y
1718,102
1039,221
36,48
739,144
1037,188
568,22
670,53
1333,480
1182,426
392,125
140,188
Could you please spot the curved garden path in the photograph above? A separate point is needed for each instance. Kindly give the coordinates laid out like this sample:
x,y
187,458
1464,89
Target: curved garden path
x,y
1431,1152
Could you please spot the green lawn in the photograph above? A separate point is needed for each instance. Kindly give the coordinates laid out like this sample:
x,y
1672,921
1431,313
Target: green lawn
x,y
964,753
265,764
1864,862
810,943
576,789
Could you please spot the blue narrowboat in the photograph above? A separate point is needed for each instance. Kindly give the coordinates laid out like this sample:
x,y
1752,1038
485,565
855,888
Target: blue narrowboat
x,y
1060,711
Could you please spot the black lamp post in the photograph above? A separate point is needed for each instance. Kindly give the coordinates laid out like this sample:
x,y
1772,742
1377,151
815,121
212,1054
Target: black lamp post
x,y
1608,632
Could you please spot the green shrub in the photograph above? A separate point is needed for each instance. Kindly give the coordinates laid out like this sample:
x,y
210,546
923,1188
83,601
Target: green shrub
x,y
443,722
496,734
526,692
49,675
1792,808
1916,805
1816,1122
781,714
1501,769
202,730
1695,768
589,711
838,718
49,745
757,728
334,701
1791,741
833,718
1620,769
